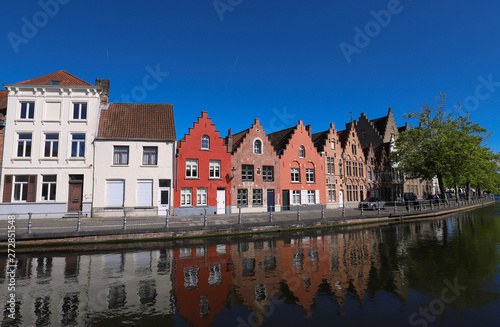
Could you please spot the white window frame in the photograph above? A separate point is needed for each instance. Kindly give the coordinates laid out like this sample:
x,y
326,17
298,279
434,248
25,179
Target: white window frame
x,y
78,109
205,142
186,197
214,169
330,164
257,197
257,147
302,151
310,175
21,185
120,156
201,196
331,192
80,145
51,186
26,144
191,168
148,155
50,144
242,197
30,110
295,197
311,196
295,175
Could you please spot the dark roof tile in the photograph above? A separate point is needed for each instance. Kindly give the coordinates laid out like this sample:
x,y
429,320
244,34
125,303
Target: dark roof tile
x,y
62,76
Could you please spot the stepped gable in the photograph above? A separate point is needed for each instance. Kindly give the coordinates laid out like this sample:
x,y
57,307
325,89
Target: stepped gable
x,y
62,76
128,121
319,140
280,139
238,138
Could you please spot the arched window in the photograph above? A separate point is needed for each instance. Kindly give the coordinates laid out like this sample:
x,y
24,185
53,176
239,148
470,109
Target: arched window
x,y
205,142
302,152
257,146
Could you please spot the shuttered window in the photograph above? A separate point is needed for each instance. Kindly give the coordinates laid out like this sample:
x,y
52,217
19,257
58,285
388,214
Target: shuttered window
x,y
114,193
145,193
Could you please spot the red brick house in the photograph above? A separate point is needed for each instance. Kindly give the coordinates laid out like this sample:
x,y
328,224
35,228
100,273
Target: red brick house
x,y
203,171
255,186
3,112
328,143
302,168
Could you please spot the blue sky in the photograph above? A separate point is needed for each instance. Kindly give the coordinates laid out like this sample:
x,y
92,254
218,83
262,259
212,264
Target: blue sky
x,y
279,61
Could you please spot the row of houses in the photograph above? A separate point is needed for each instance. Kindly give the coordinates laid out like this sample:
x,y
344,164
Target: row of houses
x,y
66,149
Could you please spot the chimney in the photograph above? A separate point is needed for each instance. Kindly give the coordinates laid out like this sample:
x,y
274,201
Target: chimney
x,y
332,125
229,140
104,84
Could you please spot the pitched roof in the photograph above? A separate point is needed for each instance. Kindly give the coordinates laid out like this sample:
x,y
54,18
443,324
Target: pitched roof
x,y
139,121
280,139
319,140
62,76
380,123
238,138
3,99
343,135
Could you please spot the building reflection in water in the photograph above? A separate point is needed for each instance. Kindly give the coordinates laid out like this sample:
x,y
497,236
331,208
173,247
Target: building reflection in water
x,y
196,283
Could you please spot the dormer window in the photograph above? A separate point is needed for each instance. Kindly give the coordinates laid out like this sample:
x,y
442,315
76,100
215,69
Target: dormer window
x,y
205,142
302,152
257,146
54,83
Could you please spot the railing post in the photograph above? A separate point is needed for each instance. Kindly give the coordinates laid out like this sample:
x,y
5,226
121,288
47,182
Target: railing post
x,y
322,211
298,212
361,208
378,208
395,207
408,206
239,215
29,222
124,219
166,217
79,223
270,214
205,217
343,210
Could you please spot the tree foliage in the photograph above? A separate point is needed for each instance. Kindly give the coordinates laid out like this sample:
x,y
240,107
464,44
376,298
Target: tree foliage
x,y
448,147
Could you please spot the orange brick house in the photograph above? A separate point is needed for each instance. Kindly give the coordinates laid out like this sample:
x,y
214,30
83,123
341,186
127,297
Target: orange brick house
x,y
203,171
255,186
302,168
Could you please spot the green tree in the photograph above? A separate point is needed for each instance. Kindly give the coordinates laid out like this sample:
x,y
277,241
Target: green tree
x,y
447,147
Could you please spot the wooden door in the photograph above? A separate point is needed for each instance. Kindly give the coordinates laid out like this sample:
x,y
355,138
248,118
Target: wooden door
x,y
75,195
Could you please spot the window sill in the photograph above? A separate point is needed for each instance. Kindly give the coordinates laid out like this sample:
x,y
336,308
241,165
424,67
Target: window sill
x,y
144,207
16,121
51,122
191,178
75,159
310,182
186,206
267,181
205,149
149,166
78,121
119,165
202,205
215,178
247,180
21,159
295,182
113,208
48,159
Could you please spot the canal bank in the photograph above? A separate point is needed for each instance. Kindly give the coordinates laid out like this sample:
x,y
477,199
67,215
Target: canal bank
x,y
221,226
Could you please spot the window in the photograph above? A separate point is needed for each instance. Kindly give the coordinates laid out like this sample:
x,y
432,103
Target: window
x,y
295,175
355,168
145,193
20,188
121,155
51,145
48,188
242,197
311,199
27,110
302,152
247,172
361,193
268,173
114,193
257,146
295,198
150,155
349,193
361,174
186,196
363,135
348,168
205,142
79,111
331,192
257,197
330,165
310,175
369,173
214,169
332,144
355,192
24,145
78,145
201,196
191,168
354,148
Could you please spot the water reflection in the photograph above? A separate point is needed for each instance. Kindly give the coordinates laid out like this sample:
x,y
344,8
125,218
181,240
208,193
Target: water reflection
x,y
365,275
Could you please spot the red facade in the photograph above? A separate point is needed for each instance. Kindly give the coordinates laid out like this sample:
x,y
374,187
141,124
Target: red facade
x,y
203,171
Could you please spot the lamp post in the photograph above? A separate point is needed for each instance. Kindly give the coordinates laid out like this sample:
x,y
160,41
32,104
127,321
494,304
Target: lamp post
x,y
233,173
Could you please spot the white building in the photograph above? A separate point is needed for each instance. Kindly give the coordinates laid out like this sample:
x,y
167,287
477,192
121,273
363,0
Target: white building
x,y
48,146
134,161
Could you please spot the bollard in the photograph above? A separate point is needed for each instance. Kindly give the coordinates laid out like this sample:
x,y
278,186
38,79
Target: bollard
x,y
408,206
270,214
298,212
239,215
205,217
361,208
29,222
432,206
124,219
395,207
378,208
166,217
79,223
420,205
343,211
322,211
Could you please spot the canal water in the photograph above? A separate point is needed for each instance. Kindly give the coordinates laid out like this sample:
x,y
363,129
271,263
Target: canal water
x,y
443,272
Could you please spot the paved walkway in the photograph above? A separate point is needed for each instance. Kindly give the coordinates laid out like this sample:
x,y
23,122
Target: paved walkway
x,y
51,228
